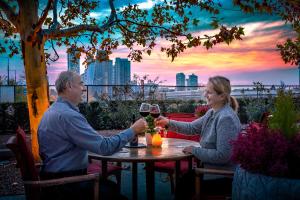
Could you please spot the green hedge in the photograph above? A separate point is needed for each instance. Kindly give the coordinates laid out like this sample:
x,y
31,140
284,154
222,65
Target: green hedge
x,y
105,115
102,115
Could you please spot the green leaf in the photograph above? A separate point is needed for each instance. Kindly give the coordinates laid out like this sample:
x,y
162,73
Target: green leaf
x,y
215,24
150,121
195,22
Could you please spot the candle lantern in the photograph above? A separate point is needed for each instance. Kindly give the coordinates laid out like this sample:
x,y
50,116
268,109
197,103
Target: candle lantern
x,y
156,140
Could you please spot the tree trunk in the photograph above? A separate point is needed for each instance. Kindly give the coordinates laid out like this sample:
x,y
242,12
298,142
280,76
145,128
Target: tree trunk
x,y
35,68
37,89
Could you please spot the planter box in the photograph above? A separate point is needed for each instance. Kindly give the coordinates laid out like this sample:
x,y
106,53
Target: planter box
x,y
250,186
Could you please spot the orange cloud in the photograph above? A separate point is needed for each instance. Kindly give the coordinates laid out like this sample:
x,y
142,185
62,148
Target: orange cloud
x,y
257,52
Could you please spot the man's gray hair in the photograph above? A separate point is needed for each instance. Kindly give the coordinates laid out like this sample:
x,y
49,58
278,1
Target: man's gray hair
x,y
62,80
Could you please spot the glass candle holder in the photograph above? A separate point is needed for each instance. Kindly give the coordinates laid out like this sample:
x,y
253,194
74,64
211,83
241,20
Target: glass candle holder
x,y
156,140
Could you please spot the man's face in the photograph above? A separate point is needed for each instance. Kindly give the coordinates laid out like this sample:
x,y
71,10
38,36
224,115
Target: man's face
x,y
75,90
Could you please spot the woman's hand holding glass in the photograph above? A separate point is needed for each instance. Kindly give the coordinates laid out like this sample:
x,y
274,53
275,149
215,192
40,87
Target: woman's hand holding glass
x,y
162,121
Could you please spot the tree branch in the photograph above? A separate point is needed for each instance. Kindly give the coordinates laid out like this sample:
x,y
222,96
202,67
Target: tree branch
x,y
56,33
56,54
10,14
152,26
73,31
43,16
8,25
113,13
55,24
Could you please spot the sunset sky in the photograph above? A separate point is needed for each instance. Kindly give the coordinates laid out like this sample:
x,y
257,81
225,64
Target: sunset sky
x,y
255,58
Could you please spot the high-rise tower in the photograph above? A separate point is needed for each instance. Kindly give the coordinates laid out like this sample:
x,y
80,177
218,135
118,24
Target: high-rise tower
x,y
180,81
192,82
74,61
122,71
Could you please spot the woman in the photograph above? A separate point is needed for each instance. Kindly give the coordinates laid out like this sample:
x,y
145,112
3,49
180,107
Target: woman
x,y
217,128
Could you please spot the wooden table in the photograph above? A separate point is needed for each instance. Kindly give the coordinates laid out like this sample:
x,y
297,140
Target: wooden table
x,y
171,150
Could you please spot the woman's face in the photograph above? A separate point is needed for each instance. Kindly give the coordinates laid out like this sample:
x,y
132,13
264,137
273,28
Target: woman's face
x,y
214,99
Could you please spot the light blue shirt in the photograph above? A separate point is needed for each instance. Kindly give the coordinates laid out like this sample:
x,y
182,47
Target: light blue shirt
x,y
65,137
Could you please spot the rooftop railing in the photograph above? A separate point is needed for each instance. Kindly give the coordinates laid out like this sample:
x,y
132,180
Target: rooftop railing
x,y
17,93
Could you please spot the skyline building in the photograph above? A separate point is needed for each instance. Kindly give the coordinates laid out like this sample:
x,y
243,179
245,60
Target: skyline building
x,y
99,73
192,82
73,61
180,81
122,71
106,74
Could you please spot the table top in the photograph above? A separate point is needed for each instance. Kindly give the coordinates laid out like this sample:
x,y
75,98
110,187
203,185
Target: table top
x,y
171,149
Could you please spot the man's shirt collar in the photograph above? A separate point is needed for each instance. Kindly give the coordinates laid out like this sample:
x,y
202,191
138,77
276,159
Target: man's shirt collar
x,y
62,100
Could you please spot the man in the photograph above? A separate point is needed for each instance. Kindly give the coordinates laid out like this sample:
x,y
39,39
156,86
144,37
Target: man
x,y
65,136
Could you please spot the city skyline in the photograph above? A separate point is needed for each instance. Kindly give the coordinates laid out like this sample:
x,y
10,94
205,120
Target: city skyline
x,y
255,58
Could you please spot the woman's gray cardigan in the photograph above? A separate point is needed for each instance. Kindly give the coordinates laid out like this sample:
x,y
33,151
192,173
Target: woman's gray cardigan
x,y
217,129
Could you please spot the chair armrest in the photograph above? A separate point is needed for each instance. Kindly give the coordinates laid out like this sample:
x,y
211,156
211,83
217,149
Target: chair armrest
x,y
201,171
38,165
62,181
199,176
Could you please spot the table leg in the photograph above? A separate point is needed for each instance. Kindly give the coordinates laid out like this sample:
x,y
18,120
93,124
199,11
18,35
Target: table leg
x,y
150,180
134,181
104,171
104,168
190,163
177,172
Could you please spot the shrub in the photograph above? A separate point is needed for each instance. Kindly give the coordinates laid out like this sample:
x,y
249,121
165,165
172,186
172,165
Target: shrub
x,y
272,149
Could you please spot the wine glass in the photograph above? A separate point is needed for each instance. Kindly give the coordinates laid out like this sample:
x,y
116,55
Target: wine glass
x,y
155,111
145,109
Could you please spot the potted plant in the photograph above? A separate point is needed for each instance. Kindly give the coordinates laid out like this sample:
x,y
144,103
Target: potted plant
x,y
269,156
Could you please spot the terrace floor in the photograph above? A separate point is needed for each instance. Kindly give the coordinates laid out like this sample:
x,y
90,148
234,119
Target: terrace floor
x,y
162,185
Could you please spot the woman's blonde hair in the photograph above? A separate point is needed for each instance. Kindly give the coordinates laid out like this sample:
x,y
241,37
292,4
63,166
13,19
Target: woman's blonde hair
x,y
222,86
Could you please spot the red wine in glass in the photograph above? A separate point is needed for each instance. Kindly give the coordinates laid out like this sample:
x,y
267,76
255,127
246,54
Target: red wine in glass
x,y
155,115
155,111
145,109
144,114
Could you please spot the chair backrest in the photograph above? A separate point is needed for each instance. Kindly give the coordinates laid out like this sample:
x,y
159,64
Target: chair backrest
x,y
187,117
181,115
25,160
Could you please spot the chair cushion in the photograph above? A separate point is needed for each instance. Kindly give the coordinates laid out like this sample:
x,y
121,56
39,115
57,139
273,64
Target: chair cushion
x,y
96,167
25,160
169,166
